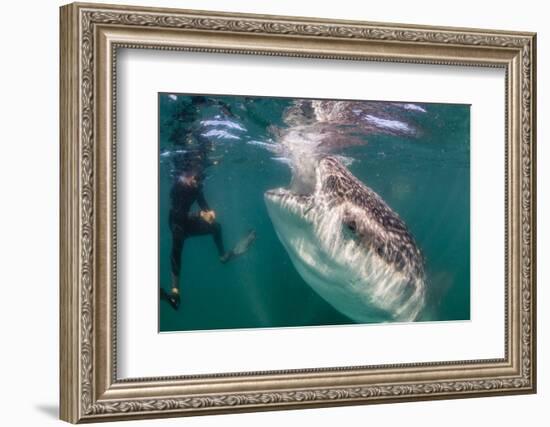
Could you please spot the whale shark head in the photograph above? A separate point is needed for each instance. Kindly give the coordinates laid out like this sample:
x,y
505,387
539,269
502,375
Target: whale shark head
x,y
348,245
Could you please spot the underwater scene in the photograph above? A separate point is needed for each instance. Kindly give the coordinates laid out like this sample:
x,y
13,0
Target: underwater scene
x,y
290,212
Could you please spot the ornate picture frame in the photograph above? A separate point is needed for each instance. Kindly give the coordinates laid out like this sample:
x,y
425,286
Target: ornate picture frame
x,y
91,35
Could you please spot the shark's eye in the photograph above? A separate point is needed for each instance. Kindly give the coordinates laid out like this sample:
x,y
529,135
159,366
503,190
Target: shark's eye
x,y
349,228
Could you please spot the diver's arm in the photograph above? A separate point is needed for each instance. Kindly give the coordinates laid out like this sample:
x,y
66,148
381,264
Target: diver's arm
x,y
206,214
202,201
174,193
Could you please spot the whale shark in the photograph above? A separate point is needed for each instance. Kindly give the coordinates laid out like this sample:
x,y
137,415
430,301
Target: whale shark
x,y
347,244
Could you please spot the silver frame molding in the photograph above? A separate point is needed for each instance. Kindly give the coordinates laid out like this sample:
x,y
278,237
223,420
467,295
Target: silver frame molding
x,y
90,36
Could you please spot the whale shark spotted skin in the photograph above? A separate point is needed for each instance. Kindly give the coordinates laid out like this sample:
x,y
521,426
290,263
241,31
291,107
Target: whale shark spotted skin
x,y
349,246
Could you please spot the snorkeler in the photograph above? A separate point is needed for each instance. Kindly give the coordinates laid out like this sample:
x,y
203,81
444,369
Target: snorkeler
x,y
186,190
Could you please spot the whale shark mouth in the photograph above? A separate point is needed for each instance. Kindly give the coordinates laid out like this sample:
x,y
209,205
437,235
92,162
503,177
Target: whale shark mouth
x,y
348,245
295,203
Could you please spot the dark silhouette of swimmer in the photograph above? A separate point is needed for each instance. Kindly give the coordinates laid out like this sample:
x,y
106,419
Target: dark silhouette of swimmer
x,y
186,191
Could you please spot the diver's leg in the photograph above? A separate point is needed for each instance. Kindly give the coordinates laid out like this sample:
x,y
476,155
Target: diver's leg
x,y
197,226
218,239
239,249
178,238
175,260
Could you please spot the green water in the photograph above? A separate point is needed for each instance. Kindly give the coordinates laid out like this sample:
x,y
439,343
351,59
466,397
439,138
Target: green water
x,y
425,179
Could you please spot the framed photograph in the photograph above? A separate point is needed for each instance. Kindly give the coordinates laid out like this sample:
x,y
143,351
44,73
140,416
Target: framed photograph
x,y
266,212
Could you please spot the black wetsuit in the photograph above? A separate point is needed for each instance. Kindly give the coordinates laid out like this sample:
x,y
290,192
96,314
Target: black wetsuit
x,y
184,224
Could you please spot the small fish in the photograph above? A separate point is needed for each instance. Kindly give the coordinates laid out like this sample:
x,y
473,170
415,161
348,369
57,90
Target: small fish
x,y
225,123
170,153
389,124
274,148
283,160
414,107
219,134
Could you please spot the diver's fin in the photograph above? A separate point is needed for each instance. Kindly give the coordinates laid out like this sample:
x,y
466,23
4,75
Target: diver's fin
x,y
172,299
242,245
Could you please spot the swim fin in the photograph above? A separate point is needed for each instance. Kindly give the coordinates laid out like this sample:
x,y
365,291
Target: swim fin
x,y
172,299
240,248
242,245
